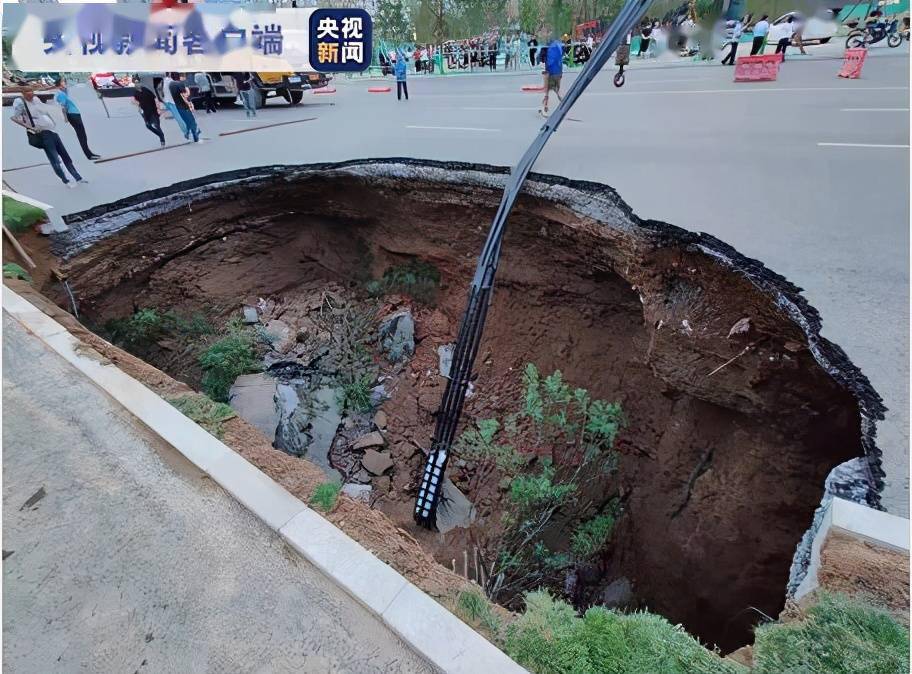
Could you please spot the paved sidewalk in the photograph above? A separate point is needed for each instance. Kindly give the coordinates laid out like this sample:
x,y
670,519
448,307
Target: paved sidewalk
x,y
120,556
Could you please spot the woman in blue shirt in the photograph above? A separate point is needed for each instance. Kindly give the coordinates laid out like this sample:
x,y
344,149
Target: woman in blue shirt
x,y
72,115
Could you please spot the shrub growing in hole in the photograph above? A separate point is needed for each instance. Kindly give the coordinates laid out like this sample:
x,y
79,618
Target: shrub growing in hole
x,y
566,441
325,496
839,635
420,280
148,325
205,411
355,393
226,360
551,638
13,270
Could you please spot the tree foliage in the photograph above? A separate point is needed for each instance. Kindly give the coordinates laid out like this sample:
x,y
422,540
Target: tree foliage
x,y
544,456
392,21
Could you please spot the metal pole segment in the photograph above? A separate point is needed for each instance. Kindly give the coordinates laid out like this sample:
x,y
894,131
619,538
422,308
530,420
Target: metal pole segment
x,y
472,325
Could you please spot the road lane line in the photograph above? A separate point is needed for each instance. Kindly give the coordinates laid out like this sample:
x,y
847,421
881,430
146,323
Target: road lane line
x,y
452,128
758,90
860,145
526,109
875,110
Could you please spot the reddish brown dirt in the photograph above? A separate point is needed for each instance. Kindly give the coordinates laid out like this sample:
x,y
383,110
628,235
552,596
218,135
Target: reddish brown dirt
x,y
721,469
854,566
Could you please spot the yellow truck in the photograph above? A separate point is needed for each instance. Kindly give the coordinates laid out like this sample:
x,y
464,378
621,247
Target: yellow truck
x,y
288,85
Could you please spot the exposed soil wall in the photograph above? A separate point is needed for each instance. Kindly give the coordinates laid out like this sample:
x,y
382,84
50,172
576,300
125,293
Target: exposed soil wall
x,y
731,432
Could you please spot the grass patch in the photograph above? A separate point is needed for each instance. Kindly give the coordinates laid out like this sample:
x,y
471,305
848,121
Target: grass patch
x,y
551,638
473,608
226,360
149,325
205,411
355,394
13,270
325,496
839,635
19,217
420,280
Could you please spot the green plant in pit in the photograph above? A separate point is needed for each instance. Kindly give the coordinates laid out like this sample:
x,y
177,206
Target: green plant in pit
x,y
226,360
13,270
350,329
139,330
355,393
195,326
19,217
566,441
838,635
325,496
474,608
420,280
550,638
204,411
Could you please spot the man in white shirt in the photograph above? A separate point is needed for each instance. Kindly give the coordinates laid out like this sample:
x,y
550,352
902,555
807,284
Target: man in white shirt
x,y
784,35
735,29
761,28
35,117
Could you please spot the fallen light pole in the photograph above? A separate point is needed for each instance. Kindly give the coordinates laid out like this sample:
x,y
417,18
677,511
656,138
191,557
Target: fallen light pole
x,y
473,320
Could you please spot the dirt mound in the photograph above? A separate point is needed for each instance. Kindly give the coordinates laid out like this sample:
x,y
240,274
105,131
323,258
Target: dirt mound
x,y
737,407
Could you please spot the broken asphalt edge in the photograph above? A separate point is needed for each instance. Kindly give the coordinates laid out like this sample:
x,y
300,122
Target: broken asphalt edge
x,y
427,627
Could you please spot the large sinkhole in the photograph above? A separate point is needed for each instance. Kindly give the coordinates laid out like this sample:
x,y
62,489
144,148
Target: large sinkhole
x,y
737,409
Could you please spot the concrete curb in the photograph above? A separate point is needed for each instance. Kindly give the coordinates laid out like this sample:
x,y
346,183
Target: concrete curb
x,y
875,526
431,630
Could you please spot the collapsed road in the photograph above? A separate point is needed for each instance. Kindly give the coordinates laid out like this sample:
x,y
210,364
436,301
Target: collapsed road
x,y
738,409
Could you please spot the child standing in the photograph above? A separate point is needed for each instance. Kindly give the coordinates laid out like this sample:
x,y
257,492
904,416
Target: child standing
x,y
400,70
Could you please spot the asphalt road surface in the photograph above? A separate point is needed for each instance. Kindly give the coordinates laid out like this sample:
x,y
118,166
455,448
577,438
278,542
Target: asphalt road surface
x,y
809,174
120,556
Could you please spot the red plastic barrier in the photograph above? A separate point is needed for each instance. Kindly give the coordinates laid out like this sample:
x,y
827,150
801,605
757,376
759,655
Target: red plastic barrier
x,y
852,63
324,90
379,90
760,68
780,56
533,87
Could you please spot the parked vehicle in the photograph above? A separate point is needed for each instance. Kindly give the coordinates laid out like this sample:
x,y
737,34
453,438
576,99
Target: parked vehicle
x,y
818,29
290,86
873,32
224,88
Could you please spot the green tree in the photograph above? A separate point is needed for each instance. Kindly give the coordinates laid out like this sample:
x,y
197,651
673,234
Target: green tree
x,y
391,21
529,15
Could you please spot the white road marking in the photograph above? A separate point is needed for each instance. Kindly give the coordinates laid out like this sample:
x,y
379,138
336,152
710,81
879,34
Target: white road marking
x,y
875,110
860,145
532,109
451,128
745,90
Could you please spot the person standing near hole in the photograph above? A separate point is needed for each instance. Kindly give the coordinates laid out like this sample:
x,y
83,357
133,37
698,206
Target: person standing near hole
x,y
736,28
400,70
74,117
147,101
786,30
181,95
35,117
761,28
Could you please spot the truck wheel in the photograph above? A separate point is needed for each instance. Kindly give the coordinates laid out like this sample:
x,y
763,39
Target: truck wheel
x,y
296,97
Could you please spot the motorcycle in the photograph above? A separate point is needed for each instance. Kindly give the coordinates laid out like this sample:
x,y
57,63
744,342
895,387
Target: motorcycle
x,y
873,33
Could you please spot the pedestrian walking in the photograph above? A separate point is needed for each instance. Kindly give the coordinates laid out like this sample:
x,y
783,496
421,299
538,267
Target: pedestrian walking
x,y
245,92
148,105
798,35
786,30
554,70
181,95
72,115
204,86
533,50
35,117
736,28
761,28
171,106
400,69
